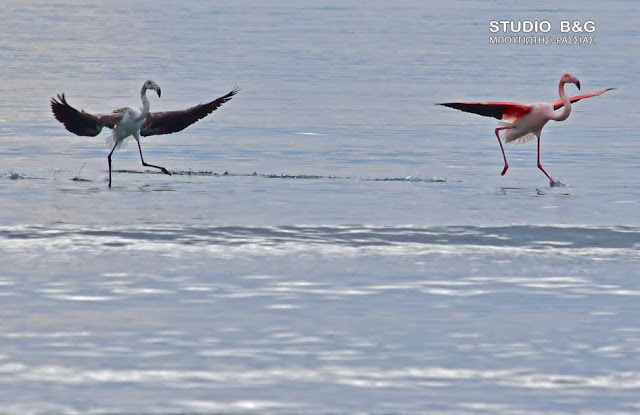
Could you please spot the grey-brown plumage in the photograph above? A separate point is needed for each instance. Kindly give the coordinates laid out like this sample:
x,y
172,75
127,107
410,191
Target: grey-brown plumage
x,y
163,122
133,122
168,122
81,122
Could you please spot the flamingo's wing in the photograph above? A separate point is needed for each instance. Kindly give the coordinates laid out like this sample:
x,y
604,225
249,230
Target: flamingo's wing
x,y
558,104
81,122
168,122
496,109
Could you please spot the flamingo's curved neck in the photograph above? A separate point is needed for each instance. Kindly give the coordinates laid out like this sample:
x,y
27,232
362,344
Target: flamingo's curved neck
x,y
145,102
566,110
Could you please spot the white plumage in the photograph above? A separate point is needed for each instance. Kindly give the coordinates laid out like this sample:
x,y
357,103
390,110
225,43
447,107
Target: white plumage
x,y
133,122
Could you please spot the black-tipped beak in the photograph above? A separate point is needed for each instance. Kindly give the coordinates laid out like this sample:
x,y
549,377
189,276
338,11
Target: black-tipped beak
x,y
159,91
578,85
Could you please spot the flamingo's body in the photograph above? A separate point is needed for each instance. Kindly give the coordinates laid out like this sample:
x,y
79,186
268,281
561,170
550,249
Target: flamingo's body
x,y
522,121
133,122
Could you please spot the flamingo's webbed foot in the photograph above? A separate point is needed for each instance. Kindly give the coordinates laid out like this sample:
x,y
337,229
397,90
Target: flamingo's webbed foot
x,y
506,167
556,184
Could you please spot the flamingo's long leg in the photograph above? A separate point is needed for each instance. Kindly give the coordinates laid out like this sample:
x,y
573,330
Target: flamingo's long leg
x,y
553,182
109,160
165,171
504,156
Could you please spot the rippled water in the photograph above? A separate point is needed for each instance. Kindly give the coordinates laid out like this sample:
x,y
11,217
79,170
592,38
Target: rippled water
x,y
319,318
330,241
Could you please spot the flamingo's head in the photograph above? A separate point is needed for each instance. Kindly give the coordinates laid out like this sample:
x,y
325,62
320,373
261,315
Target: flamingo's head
x,y
152,85
570,79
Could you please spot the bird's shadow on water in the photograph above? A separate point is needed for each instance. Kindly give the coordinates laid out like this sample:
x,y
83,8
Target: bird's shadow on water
x,y
156,188
81,190
119,189
124,187
555,188
552,192
534,192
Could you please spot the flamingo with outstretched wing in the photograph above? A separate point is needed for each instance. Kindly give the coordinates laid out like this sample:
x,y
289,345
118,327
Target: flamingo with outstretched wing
x,y
522,121
133,122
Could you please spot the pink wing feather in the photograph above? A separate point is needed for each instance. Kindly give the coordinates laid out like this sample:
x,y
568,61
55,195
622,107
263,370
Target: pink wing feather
x,y
558,104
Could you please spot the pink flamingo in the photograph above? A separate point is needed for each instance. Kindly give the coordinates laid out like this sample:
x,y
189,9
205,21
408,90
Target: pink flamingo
x,y
523,121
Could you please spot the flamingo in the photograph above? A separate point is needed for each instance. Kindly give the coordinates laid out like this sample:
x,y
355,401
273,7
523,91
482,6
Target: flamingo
x,y
136,122
522,121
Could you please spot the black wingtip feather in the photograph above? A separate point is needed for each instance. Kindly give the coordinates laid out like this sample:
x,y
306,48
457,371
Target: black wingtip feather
x,y
231,94
494,111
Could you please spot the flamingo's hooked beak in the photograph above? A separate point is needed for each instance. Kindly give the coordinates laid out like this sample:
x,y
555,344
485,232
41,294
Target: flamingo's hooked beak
x,y
159,91
574,80
570,78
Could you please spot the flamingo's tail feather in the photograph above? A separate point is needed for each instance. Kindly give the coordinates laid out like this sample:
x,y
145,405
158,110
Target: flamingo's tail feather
x,y
521,140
